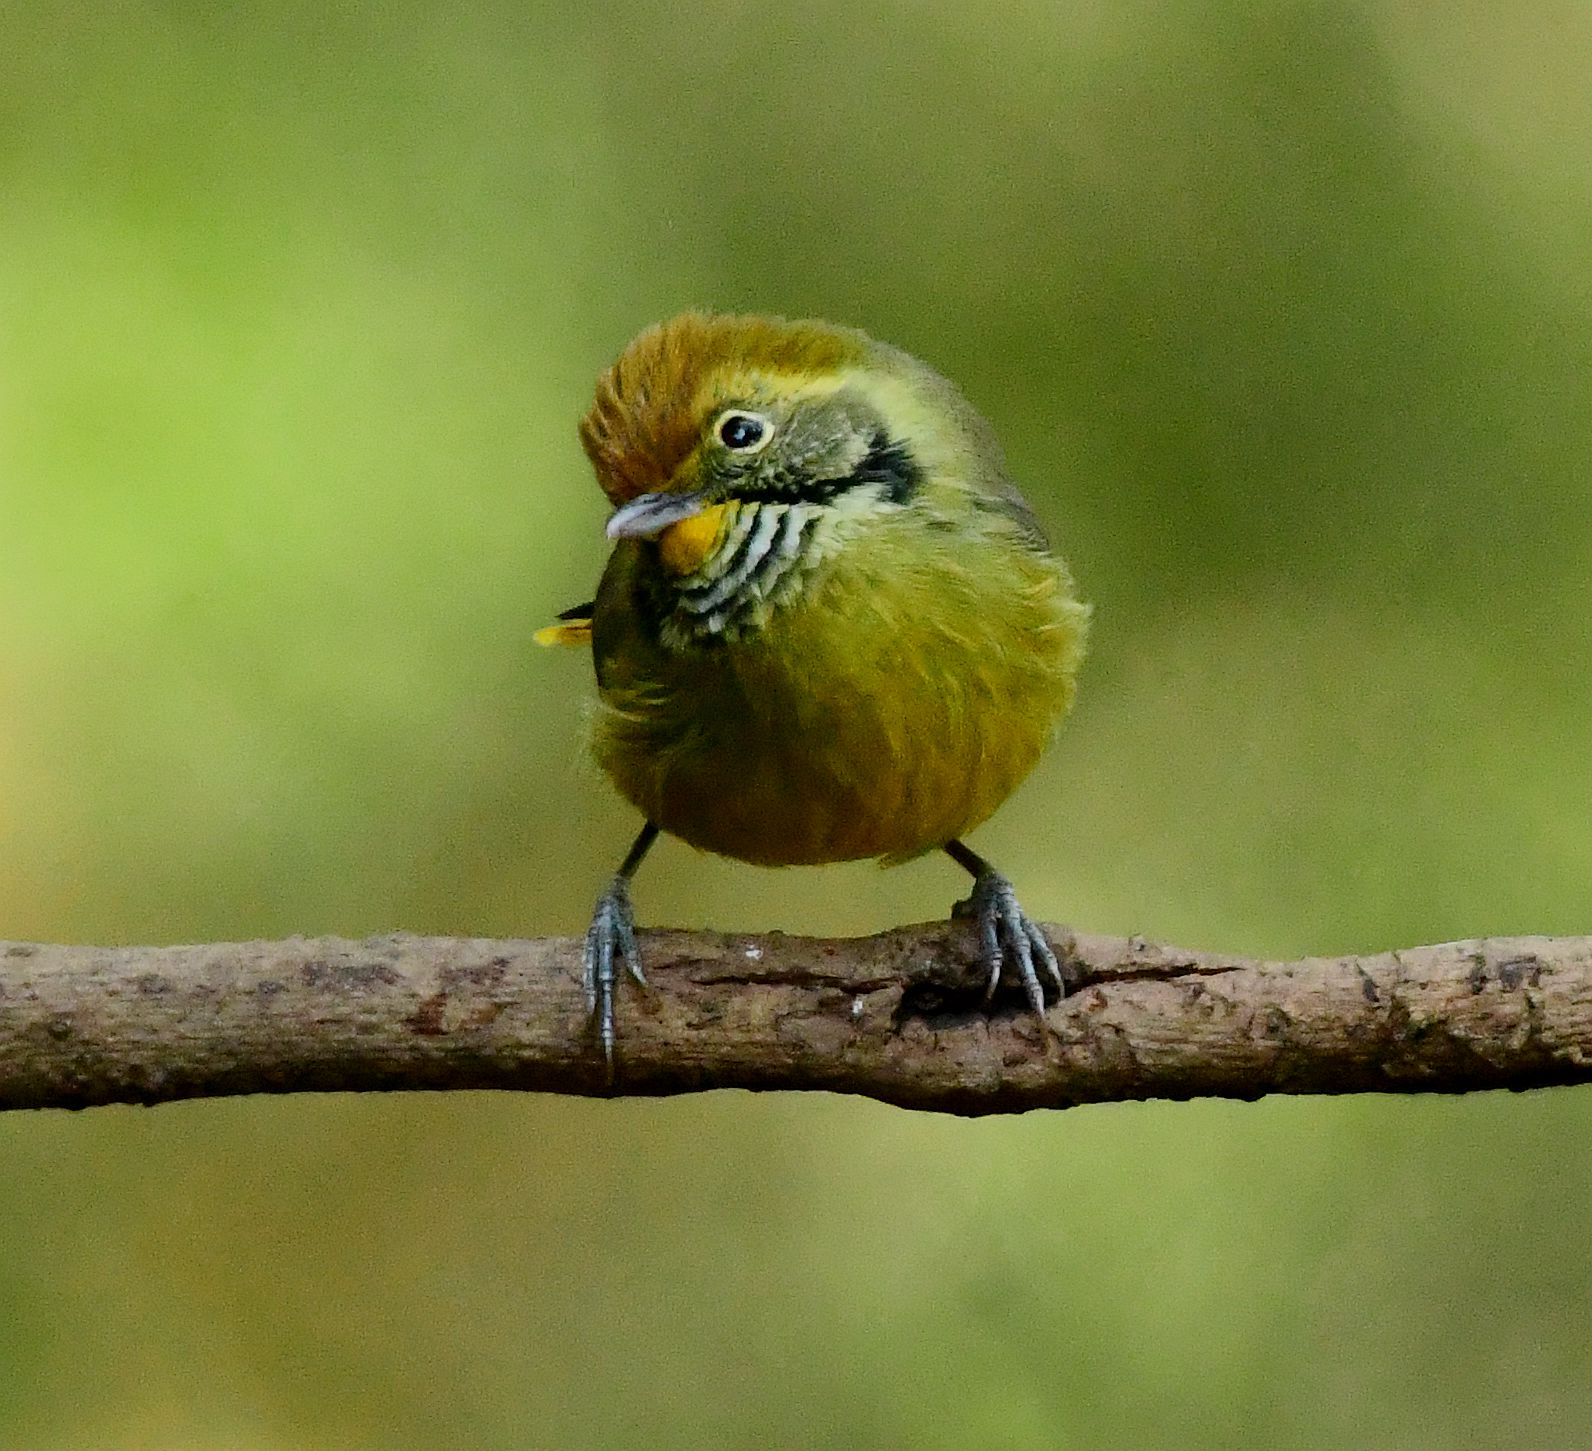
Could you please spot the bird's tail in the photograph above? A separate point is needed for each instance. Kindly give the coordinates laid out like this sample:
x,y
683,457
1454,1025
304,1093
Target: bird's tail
x,y
573,627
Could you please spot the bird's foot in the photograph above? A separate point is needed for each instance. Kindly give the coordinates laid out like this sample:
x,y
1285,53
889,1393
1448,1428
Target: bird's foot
x,y
1009,939
612,934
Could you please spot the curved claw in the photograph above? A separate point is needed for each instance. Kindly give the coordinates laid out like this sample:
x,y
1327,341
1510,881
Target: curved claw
x,y
1008,938
612,931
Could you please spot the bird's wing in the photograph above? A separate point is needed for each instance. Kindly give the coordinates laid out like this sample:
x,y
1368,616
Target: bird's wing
x,y
990,487
573,627
999,495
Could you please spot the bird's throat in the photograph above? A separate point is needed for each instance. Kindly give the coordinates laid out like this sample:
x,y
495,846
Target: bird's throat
x,y
726,575
683,547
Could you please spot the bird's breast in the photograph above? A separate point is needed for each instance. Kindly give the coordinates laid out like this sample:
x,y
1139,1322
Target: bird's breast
x,y
889,705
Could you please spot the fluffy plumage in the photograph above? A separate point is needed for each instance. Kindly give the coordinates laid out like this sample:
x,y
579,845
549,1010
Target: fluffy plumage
x,y
830,628
851,678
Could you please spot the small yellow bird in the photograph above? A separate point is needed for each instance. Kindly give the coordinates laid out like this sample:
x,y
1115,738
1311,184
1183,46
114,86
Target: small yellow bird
x,y
830,628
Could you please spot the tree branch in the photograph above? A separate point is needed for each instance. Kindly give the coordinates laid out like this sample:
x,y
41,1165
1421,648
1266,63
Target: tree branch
x,y
895,1017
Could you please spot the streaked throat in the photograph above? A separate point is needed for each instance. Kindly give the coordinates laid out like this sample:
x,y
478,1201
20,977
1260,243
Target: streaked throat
x,y
760,562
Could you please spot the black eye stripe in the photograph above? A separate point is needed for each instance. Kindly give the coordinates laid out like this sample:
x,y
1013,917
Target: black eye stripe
x,y
887,463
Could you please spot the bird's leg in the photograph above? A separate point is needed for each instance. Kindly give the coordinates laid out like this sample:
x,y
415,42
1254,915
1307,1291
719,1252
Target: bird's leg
x,y
1006,935
613,930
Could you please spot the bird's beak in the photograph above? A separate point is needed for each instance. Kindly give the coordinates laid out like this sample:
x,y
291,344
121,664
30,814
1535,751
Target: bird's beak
x,y
649,515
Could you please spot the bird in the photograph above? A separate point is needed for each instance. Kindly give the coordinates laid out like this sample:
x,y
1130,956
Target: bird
x,y
830,627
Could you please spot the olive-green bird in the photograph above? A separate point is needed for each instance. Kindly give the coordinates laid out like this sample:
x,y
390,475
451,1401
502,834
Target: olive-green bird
x,y
830,628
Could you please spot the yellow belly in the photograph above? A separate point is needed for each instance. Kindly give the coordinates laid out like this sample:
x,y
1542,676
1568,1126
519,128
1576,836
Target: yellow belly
x,y
875,718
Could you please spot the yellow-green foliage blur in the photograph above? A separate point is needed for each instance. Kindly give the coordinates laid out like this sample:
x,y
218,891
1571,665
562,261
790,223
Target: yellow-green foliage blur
x,y
1282,310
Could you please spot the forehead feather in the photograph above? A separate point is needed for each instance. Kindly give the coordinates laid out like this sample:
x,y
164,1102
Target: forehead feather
x,y
652,404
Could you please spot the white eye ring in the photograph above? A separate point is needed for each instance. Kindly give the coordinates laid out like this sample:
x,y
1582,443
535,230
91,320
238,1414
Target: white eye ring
x,y
742,431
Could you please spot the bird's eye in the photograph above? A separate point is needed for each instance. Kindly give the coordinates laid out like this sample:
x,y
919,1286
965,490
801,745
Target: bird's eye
x,y
744,432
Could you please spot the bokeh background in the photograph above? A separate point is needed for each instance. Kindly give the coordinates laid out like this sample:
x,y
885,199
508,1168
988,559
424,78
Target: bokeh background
x,y
1283,310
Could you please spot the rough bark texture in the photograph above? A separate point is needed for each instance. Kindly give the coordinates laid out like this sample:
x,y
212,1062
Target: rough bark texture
x,y
896,1017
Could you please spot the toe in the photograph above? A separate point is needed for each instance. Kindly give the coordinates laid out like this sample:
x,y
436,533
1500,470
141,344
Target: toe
x,y
591,960
992,954
626,933
1046,955
1018,949
612,934
1022,951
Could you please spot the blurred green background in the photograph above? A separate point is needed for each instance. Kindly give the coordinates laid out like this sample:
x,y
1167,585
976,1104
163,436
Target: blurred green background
x,y
1283,310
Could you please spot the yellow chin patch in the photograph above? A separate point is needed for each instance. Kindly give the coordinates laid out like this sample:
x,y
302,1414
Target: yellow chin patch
x,y
682,547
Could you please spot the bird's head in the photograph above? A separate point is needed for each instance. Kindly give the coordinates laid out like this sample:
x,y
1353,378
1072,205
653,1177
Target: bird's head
x,y
739,445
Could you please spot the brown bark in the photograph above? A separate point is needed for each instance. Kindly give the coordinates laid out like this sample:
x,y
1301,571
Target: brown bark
x,y
895,1017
